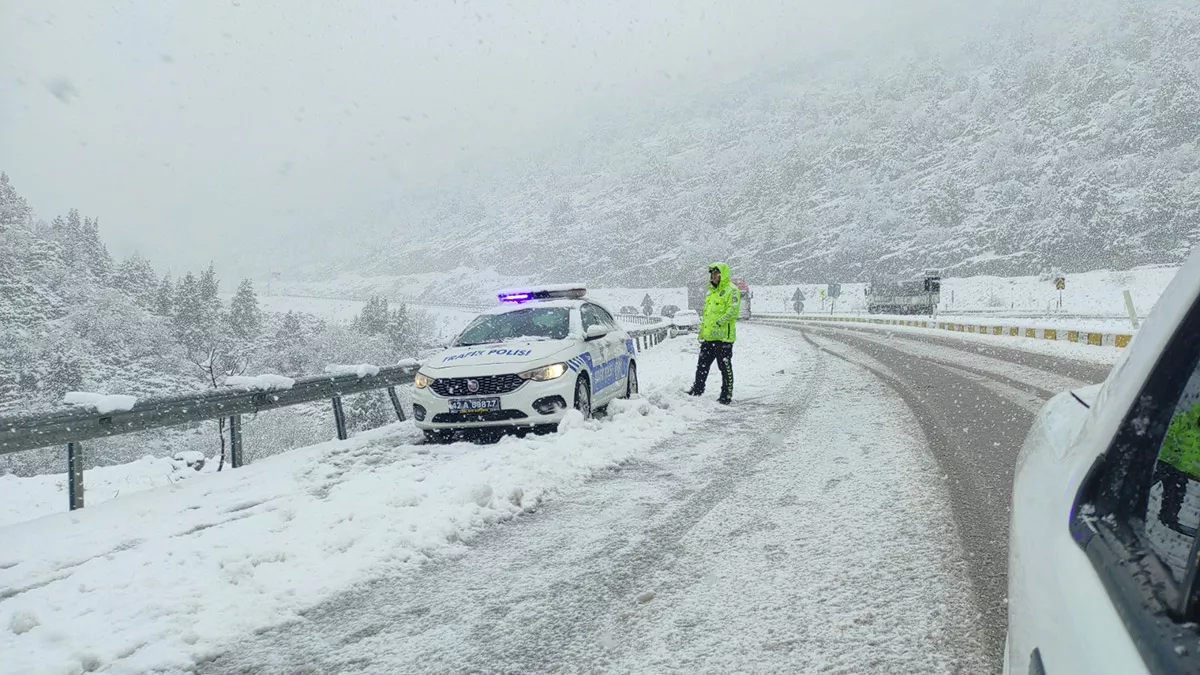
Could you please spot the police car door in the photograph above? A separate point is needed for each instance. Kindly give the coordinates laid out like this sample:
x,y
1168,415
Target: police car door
x,y
600,351
621,350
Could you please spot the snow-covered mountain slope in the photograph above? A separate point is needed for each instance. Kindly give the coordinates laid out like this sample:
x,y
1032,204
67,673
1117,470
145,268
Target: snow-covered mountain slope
x,y
1058,133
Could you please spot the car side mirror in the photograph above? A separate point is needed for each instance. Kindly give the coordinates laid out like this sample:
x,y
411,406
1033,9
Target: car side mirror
x,y
596,332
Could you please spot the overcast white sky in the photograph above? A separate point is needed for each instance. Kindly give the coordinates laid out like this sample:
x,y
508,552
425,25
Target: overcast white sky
x,y
186,125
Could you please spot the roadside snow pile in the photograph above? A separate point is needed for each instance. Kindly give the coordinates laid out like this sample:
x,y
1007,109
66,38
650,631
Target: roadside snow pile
x,y
102,403
166,578
260,382
362,370
24,499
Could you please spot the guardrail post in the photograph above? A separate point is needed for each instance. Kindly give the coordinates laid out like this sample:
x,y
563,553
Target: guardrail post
x,y
75,475
339,416
396,403
235,441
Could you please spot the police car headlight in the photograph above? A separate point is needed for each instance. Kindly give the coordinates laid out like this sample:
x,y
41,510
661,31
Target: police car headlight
x,y
544,373
422,380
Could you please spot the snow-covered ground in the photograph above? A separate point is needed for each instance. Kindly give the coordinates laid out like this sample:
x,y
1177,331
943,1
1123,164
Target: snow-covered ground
x,y
26,498
1092,300
169,577
331,309
616,298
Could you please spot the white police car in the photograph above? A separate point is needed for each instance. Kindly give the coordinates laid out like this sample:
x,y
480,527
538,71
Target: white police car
x,y
1104,561
521,365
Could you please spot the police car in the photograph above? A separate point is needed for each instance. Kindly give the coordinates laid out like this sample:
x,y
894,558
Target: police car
x,y
1104,561
523,364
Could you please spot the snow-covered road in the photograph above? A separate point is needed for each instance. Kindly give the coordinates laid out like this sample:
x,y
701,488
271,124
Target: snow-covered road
x,y
975,402
805,529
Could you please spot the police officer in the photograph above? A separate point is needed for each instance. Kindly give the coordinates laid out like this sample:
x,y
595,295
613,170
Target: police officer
x,y
718,331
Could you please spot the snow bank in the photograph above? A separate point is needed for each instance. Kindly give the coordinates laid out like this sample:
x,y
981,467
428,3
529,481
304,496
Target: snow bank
x,y
23,499
168,577
408,363
362,370
260,382
102,403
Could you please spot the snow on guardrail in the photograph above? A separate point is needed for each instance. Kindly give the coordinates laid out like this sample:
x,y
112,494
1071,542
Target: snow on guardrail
x,y
1086,337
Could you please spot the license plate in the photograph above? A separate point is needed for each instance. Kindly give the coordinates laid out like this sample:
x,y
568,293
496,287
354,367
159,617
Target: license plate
x,y
474,405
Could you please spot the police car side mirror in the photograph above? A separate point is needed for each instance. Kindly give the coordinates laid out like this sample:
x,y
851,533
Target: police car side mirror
x,y
596,332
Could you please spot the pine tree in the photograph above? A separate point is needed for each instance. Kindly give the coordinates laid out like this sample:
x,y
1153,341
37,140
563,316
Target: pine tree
x,y
399,331
14,210
135,277
164,297
63,373
245,318
189,314
94,254
374,318
290,331
71,232
210,301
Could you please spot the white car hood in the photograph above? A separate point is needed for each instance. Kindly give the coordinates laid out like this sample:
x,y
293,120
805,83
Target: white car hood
x,y
506,356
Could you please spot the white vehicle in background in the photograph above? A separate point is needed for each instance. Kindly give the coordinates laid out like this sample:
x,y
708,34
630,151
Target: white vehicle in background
x,y
686,320
1104,562
521,366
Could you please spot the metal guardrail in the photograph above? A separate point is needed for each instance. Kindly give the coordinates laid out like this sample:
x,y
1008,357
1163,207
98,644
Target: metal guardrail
x,y
646,338
73,426
1096,338
641,319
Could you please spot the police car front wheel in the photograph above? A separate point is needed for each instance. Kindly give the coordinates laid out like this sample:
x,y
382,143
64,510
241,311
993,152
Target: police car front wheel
x,y
583,397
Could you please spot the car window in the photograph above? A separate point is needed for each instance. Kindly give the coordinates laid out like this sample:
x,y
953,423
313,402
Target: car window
x,y
1138,510
590,316
606,318
547,323
1173,501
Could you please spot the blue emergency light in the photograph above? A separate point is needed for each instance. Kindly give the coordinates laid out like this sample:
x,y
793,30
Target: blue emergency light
x,y
564,292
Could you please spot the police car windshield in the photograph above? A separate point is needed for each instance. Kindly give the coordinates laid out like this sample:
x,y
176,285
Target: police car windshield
x,y
545,323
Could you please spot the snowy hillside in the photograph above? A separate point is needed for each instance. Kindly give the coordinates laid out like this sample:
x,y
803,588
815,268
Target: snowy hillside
x,y
1056,133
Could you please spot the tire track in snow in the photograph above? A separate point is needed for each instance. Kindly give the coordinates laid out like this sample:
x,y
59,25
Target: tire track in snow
x,y
974,431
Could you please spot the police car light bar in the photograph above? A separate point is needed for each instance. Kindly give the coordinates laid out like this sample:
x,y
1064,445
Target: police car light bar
x,y
560,292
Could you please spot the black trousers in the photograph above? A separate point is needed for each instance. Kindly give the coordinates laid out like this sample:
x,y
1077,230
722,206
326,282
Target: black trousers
x,y
722,353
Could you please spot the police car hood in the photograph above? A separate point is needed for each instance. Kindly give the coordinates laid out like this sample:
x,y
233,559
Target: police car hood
x,y
500,357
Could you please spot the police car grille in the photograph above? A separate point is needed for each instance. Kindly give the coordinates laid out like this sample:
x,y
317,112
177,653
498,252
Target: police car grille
x,y
489,385
490,416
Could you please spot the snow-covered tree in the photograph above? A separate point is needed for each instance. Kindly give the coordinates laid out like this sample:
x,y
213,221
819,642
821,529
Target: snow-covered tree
x,y
164,297
135,277
93,252
189,318
14,210
209,290
245,318
373,319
